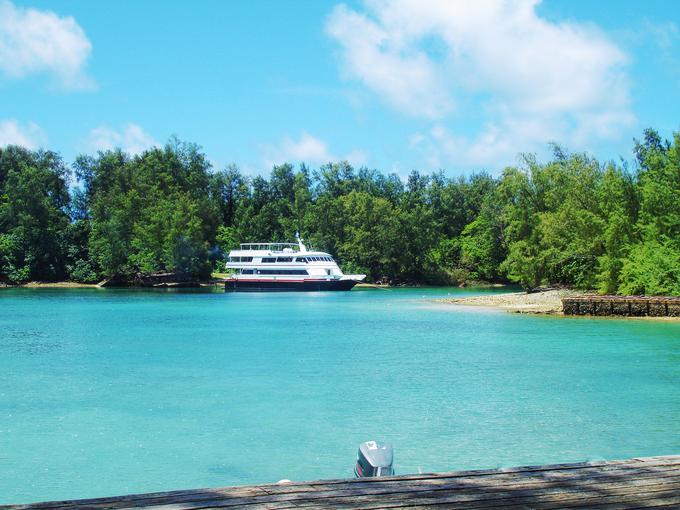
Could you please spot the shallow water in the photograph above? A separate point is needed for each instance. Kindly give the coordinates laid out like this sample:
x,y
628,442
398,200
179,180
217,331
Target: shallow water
x,y
105,392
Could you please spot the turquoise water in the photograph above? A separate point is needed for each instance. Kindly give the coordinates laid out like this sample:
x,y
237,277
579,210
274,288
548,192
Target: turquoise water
x,y
105,392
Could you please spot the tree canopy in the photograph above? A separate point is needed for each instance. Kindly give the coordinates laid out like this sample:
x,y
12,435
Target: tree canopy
x,y
570,221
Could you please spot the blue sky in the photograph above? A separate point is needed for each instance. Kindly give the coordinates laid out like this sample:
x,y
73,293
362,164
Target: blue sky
x,y
393,84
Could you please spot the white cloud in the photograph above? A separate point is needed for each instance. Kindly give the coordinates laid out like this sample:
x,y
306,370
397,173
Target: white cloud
x,y
132,139
531,80
665,34
12,133
307,149
33,41
404,75
356,157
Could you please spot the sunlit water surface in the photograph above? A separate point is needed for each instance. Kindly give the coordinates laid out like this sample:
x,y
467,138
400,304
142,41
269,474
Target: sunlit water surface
x,y
105,392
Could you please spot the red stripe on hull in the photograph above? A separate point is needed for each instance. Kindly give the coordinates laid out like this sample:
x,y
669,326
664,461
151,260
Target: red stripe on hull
x,y
307,285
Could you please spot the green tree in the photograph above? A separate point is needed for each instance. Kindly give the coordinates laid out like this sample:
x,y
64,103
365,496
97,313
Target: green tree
x,y
568,221
372,235
34,203
158,211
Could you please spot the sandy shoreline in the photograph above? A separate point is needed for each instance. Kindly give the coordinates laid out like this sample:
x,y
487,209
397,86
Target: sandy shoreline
x,y
546,302
76,285
52,285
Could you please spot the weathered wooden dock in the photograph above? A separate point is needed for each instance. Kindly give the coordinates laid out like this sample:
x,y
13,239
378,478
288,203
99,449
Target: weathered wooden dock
x,y
626,306
652,482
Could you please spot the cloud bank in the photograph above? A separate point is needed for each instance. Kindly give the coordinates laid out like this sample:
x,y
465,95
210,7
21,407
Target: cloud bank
x,y
131,138
12,133
33,41
307,149
528,79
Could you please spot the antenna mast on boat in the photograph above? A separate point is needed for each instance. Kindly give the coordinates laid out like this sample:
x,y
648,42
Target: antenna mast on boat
x,y
303,248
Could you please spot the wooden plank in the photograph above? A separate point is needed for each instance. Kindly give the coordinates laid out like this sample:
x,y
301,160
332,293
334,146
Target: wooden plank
x,y
465,484
647,462
528,485
324,498
631,496
660,501
639,501
472,492
632,468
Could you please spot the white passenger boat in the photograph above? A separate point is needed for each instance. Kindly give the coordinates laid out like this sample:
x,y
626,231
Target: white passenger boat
x,y
285,267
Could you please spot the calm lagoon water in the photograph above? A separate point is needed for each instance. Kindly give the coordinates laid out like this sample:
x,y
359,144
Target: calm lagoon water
x,y
105,392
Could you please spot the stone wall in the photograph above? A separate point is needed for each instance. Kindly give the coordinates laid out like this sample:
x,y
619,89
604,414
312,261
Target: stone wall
x,y
626,306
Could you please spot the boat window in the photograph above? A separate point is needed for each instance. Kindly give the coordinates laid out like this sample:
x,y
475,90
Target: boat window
x,y
246,259
282,271
246,271
284,259
268,260
301,259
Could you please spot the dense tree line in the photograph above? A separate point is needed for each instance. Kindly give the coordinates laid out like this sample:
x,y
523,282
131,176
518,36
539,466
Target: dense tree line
x,y
572,221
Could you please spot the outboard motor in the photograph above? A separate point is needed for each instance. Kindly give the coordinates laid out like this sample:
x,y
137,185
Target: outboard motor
x,y
374,459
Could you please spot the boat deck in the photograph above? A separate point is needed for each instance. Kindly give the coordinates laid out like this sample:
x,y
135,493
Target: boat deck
x,y
652,482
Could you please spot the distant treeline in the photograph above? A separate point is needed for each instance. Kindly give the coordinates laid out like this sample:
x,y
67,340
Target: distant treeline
x,y
572,221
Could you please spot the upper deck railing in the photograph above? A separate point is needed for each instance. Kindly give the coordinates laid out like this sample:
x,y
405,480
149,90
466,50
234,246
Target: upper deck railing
x,y
272,247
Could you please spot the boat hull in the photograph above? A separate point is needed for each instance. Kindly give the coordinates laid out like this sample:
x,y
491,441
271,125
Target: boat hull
x,y
244,285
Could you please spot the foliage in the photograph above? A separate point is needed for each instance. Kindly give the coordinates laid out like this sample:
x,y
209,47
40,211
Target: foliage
x,y
653,268
571,221
34,202
155,212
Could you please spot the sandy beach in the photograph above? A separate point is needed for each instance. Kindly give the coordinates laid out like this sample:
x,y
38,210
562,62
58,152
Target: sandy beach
x,y
546,302
54,285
